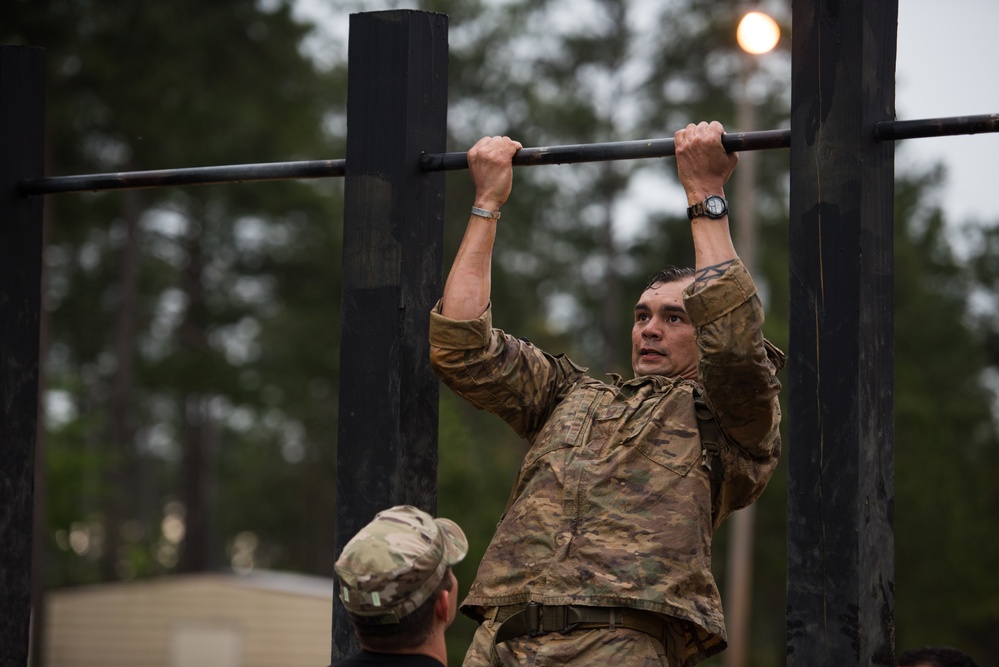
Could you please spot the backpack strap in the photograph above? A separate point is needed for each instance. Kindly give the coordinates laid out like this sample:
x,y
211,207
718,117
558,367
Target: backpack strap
x,y
711,441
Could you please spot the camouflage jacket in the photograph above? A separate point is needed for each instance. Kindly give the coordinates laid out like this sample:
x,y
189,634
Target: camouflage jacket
x,y
616,504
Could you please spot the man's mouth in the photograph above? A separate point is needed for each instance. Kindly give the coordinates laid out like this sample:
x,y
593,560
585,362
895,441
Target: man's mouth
x,y
647,351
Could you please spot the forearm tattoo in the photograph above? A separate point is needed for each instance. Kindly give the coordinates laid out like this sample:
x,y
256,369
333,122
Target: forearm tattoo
x,y
709,273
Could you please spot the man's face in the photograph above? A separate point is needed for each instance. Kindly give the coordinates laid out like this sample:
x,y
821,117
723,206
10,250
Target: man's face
x,y
662,338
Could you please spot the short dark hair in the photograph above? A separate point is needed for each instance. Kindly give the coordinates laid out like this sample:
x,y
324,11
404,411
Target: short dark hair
x,y
412,629
670,274
935,656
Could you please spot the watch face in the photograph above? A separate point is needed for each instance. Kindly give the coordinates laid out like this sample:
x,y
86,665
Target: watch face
x,y
715,206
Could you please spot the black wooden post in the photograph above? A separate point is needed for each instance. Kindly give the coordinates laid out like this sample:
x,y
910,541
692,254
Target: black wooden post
x,y
840,590
392,267
22,120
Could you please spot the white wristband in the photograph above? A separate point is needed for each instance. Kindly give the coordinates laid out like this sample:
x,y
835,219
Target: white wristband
x,y
483,213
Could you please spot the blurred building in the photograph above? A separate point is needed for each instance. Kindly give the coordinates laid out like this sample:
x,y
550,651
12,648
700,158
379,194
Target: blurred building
x,y
198,620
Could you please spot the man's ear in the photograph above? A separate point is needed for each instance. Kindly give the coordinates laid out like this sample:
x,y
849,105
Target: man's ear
x,y
442,608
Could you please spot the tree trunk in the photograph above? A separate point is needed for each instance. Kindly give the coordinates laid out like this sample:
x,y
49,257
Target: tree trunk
x,y
610,310
194,551
121,418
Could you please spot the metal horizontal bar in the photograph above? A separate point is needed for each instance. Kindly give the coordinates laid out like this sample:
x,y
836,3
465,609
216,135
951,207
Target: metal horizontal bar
x,y
569,154
617,150
888,130
240,173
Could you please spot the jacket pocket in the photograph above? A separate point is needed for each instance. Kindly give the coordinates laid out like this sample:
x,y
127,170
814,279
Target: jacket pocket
x,y
672,443
679,455
564,428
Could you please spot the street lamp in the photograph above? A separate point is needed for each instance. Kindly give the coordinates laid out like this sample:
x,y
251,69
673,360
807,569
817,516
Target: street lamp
x,y
757,34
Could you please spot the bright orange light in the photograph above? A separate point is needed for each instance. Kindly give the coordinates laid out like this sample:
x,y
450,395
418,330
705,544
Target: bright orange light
x,y
757,33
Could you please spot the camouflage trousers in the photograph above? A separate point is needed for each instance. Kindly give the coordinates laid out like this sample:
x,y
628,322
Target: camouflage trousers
x,y
621,647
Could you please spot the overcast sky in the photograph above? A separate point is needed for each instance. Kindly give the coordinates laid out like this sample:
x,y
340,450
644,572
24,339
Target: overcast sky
x,y
947,59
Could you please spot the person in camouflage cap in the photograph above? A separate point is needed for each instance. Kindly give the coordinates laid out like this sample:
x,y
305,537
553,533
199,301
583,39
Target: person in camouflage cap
x,y
397,585
603,554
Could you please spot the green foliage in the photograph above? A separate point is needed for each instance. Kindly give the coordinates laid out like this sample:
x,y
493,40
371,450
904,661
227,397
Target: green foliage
x,y
947,527
207,371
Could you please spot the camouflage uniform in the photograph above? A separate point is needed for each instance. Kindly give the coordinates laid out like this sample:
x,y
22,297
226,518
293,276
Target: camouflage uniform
x,y
615,505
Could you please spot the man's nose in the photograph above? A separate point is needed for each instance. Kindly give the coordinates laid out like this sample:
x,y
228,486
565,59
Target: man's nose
x,y
652,330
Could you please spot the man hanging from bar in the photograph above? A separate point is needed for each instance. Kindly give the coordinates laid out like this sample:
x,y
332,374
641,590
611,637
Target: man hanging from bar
x,y
603,555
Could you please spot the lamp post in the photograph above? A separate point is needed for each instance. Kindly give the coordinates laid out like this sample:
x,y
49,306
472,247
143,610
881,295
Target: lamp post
x,y
757,34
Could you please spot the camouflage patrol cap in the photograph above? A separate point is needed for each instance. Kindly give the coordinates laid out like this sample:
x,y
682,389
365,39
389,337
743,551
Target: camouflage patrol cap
x,y
396,562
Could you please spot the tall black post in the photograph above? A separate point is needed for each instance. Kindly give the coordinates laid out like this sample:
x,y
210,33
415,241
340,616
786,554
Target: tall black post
x,y
840,590
22,129
392,267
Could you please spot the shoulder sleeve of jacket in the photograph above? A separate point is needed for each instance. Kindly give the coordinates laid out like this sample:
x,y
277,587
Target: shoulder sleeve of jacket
x,y
737,367
494,371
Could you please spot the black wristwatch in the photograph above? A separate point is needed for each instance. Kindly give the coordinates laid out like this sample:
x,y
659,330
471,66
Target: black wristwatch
x,y
713,207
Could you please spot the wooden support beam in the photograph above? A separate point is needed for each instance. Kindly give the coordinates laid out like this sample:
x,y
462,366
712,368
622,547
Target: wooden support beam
x,y
22,131
840,589
392,268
